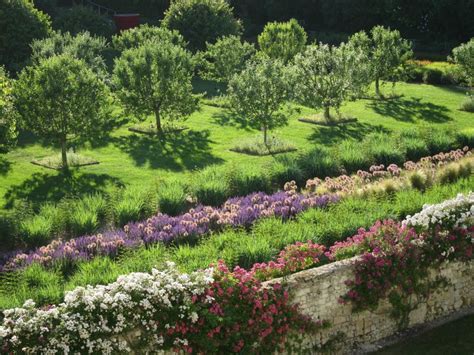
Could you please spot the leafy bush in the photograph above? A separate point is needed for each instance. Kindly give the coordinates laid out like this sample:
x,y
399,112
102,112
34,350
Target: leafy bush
x,y
83,45
282,40
468,104
8,113
138,36
83,18
20,23
201,21
464,57
225,58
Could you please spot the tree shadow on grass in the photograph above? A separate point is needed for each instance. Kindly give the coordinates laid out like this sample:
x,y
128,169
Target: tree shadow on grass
x,y
328,135
44,187
228,118
411,109
175,151
5,165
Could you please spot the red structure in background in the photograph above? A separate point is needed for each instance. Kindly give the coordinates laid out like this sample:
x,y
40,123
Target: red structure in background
x,y
126,21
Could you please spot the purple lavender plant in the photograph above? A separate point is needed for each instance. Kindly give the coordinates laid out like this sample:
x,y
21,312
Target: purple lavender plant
x,y
236,212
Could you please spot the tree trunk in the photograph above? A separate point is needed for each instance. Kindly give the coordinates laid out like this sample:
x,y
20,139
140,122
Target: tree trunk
x,y
158,121
377,87
327,115
264,129
64,153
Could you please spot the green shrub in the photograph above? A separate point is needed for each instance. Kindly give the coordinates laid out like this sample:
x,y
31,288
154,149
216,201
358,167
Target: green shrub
x,y
466,137
318,162
432,76
135,37
201,21
242,181
468,104
41,228
82,18
384,149
439,140
285,169
353,156
8,225
419,180
87,215
8,113
172,198
132,204
414,146
20,23
282,40
209,187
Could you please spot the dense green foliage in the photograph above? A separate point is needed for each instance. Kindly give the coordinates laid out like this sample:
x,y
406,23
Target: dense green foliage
x,y
8,114
61,98
156,79
82,18
387,53
259,93
225,58
282,40
83,46
20,23
325,76
201,21
464,57
138,36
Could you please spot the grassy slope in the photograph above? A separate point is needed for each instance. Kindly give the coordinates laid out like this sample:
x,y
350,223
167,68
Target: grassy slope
x,y
136,159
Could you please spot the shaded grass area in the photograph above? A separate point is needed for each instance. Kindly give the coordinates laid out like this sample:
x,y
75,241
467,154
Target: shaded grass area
x,y
236,246
130,159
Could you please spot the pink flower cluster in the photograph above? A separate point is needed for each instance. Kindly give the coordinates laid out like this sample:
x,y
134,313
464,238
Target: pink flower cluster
x,y
347,184
245,317
293,258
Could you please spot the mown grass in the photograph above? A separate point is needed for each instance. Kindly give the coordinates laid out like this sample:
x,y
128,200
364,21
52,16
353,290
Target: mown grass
x,y
235,246
133,159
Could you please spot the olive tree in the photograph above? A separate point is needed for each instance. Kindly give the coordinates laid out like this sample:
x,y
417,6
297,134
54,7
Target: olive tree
x,y
225,58
324,76
137,36
259,93
387,53
61,98
282,40
82,46
8,114
464,57
156,79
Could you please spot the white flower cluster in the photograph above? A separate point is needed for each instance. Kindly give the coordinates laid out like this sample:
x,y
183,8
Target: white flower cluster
x,y
457,212
100,319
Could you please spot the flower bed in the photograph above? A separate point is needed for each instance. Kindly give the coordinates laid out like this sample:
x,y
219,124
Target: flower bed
x,y
223,311
210,311
236,212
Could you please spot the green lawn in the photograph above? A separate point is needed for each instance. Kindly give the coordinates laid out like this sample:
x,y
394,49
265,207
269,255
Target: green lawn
x,y
132,159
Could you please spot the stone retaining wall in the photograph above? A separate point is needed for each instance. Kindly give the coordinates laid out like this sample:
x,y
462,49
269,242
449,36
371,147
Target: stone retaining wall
x,y
317,292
